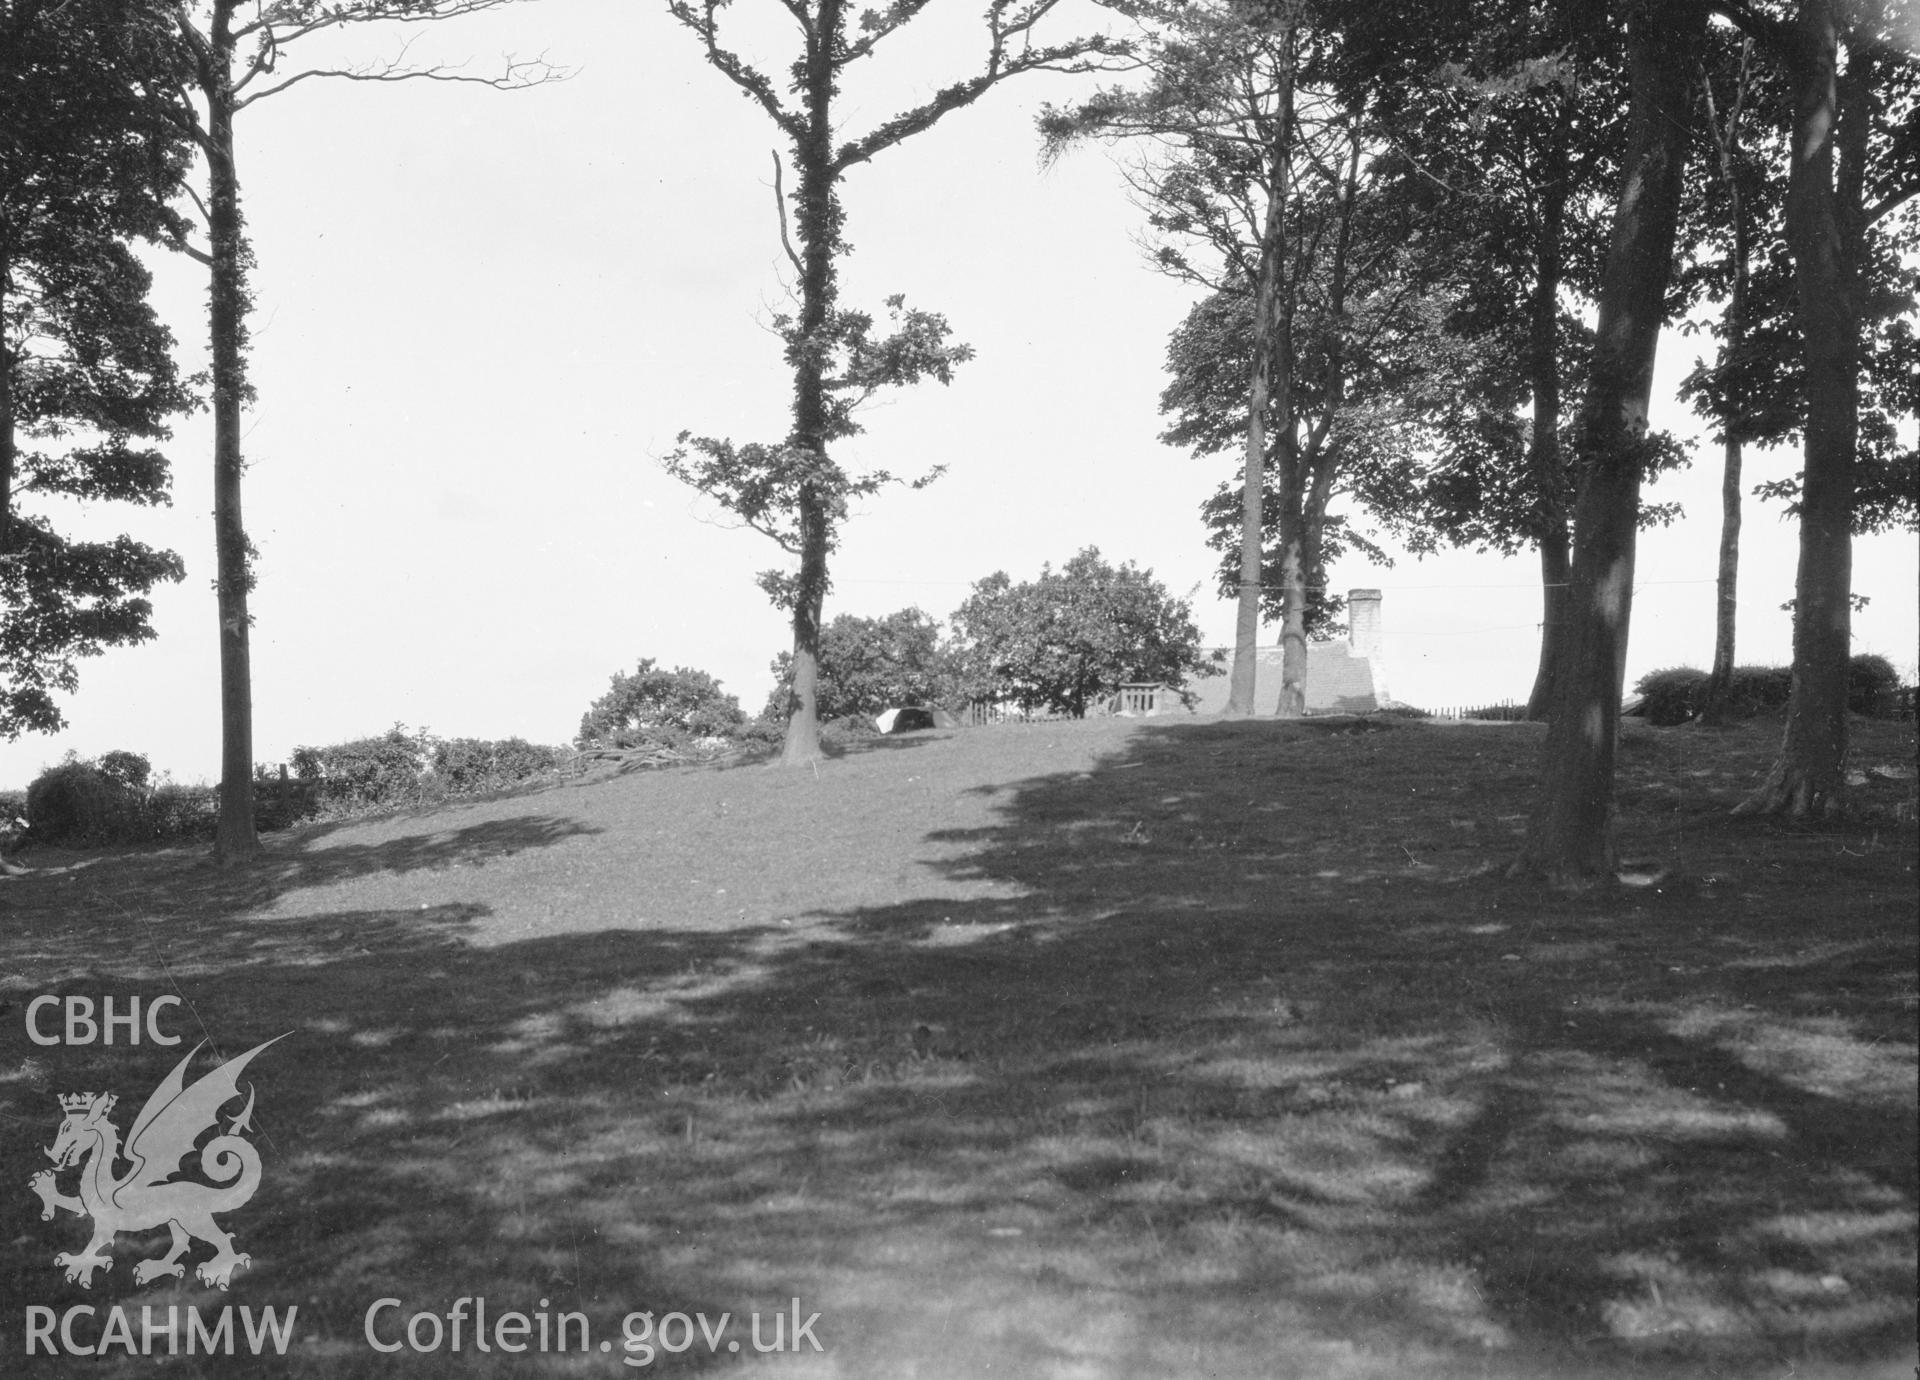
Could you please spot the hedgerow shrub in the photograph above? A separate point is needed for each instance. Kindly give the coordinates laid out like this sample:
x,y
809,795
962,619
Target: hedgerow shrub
x,y
465,766
1677,694
1871,685
1671,696
366,773
655,707
1756,689
1506,712
130,769
75,802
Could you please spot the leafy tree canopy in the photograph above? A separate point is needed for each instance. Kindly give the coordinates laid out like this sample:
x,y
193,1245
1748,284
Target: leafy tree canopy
x,y
1065,640
89,161
871,664
654,705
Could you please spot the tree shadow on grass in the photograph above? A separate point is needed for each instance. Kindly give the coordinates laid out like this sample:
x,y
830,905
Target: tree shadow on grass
x,y
1225,1077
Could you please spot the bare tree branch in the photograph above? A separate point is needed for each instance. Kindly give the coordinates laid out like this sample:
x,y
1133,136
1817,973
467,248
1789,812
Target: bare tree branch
x,y
780,205
705,24
518,75
1066,58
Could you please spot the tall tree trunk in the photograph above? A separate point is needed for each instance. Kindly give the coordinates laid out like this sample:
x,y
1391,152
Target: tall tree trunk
x,y
1716,699
1570,838
1825,227
9,445
1246,628
1246,624
818,223
1556,579
1545,468
1292,702
1293,615
1310,461
235,840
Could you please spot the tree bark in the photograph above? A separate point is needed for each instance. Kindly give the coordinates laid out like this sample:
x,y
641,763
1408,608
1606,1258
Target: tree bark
x,y
1246,625
1556,579
1825,228
236,839
1246,630
9,445
1545,467
1570,839
1715,704
818,225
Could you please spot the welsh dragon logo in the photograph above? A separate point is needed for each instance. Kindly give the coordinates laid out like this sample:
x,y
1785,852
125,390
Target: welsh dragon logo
x,y
147,1195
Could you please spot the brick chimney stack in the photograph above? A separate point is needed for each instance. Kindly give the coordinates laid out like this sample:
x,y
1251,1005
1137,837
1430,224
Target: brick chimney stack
x,y
1363,622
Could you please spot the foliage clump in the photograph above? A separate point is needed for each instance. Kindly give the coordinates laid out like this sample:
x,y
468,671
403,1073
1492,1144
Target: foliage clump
x,y
1872,685
75,802
470,766
112,801
868,665
402,769
654,707
365,772
1072,637
1677,694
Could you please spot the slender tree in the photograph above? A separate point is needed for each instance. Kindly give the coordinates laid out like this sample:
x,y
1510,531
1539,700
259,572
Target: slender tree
x,y
1223,99
1265,189
1510,117
87,383
1854,167
795,491
1570,837
1736,180
245,51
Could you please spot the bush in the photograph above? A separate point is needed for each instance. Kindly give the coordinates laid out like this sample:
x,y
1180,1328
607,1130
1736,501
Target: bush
x,y
77,803
657,708
1757,689
130,769
1678,693
367,773
468,765
1671,696
1872,685
1506,712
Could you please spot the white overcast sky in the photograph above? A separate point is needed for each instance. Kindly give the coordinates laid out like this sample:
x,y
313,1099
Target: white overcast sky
x,y
482,317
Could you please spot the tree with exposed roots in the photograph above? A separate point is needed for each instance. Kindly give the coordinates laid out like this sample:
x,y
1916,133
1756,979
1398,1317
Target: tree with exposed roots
x,y
1854,173
794,491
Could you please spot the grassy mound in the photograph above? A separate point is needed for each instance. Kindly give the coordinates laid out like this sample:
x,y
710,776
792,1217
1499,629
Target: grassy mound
x,y
1124,1048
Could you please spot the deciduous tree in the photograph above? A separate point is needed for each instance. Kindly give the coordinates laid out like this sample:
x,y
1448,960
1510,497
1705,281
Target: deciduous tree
x,y
654,704
1570,836
795,491
870,664
244,51
88,165
1854,175
1073,636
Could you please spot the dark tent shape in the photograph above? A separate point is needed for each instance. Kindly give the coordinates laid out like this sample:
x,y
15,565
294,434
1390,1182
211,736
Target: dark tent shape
x,y
913,717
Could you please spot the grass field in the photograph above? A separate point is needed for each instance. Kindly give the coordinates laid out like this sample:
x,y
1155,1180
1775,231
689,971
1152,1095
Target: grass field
x,y
1101,1049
